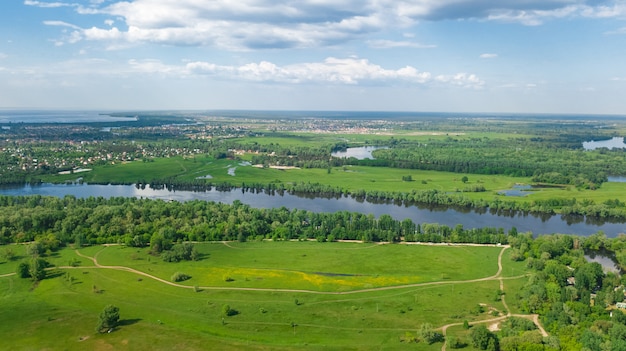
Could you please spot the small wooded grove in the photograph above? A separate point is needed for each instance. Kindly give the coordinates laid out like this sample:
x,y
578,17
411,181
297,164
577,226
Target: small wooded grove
x,y
140,222
574,298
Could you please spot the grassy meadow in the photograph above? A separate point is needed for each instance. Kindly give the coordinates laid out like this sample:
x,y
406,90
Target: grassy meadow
x,y
342,310
350,178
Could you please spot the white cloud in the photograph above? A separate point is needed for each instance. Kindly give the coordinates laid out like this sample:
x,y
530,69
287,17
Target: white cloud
x,y
390,44
61,24
259,24
616,10
349,71
47,4
332,71
488,56
3,55
461,79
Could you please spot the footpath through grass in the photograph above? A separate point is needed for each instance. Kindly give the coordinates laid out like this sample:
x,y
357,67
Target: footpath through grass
x,y
61,313
314,266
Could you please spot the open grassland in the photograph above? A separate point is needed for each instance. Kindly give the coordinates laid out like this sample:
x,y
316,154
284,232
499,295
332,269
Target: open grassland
x,y
350,178
61,313
316,267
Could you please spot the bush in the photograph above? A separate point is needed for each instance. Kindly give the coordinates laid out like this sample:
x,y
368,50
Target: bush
x,y
180,277
456,343
109,318
227,311
181,252
23,270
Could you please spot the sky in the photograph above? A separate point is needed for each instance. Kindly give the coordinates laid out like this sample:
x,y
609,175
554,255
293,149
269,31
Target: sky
x,y
514,56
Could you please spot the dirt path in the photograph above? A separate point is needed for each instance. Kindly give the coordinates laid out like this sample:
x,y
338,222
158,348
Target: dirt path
x,y
384,288
533,317
497,276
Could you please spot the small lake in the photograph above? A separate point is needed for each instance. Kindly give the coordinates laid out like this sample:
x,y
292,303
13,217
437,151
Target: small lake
x,y
360,153
537,224
617,179
614,143
517,190
606,259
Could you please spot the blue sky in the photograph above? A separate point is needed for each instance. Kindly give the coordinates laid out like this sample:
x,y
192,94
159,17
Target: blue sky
x,y
523,56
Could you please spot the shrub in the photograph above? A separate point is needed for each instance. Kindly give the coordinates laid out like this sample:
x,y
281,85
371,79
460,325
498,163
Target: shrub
x,y
227,311
180,277
23,270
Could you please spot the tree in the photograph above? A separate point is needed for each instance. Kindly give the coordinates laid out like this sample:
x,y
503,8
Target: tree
x,y
227,311
8,254
589,276
482,338
428,335
464,179
37,268
109,318
23,270
35,249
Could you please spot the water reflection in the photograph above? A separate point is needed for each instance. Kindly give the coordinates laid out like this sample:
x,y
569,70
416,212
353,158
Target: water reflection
x,y
605,258
360,153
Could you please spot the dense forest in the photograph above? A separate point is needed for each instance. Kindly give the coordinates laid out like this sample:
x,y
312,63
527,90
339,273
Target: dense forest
x,y
138,222
575,298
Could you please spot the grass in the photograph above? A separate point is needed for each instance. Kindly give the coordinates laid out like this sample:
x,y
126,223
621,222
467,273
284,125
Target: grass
x,y
59,314
316,266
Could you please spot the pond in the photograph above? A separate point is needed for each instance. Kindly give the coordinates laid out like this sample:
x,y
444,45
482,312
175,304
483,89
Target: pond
x,y
360,153
614,143
606,259
537,224
517,190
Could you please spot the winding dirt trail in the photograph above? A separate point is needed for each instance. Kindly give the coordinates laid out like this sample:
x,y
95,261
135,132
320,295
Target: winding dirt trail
x,y
532,317
351,292
497,276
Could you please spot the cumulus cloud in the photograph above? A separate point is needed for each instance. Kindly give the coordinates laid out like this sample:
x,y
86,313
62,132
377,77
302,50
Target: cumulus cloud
x,y
344,71
259,24
351,71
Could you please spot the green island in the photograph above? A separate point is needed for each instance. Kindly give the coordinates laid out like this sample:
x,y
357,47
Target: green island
x,y
131,273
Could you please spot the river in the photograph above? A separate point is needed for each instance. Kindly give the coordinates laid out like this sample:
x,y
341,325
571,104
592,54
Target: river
x,y
419,214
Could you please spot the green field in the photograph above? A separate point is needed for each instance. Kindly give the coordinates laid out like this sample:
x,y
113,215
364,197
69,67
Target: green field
x,y
362,296
348,178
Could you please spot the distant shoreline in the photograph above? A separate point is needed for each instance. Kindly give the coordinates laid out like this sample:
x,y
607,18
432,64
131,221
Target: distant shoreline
x,y
98,116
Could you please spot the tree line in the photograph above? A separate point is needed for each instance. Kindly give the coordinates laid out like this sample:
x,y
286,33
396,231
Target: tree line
x,y
141,222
